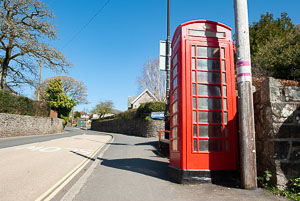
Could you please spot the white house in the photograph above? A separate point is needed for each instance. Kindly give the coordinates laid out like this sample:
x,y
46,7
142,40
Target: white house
x,y
135,101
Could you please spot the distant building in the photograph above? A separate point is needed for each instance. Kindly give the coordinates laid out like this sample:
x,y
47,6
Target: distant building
x,y
113,113
84,115
135,101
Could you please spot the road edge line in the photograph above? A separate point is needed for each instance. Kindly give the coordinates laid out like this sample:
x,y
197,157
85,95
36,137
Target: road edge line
x,y
75,189
48,194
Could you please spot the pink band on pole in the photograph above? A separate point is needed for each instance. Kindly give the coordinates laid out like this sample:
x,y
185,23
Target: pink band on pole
x,y
244,71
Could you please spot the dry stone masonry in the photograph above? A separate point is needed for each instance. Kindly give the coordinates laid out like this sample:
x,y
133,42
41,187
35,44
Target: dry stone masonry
x,y
137,127
277,124
12,125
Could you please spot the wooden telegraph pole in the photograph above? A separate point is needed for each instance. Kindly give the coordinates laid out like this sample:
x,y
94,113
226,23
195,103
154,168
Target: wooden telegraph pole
x,y
245,97
39,85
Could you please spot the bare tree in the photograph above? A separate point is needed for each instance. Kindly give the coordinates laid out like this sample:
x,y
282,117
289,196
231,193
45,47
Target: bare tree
x,y
75,89
25,27
153,79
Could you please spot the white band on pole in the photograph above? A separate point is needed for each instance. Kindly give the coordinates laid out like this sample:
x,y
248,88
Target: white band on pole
x,y
244,71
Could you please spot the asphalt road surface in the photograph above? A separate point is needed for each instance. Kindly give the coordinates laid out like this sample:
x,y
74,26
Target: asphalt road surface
x,y
35,168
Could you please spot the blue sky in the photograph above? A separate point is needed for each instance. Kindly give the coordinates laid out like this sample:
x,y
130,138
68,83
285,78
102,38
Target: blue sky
x,y
109,53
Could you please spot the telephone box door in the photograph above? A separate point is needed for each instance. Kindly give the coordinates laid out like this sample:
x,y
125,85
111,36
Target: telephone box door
x,y
212,133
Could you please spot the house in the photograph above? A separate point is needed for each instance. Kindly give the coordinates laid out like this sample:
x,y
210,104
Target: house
x,y
135,101
113,113
84,115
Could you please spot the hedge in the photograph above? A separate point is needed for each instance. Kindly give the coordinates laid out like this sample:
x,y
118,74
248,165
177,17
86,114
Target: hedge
x,y
145,109
13,104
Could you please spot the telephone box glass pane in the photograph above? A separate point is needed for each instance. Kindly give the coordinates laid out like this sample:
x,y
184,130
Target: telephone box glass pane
x,y
175,120
223,53
210,52
194,116
174,71
193,51
209,117
208,64
193,63
174,132
174,60
175,95
175,145
209,90
175,108
194,102
194,89
209,77
224,78
225,104
203,145
210,131
210,103
210,145
223,66
175,82
194,76
224,91
195,130
225,117
195,144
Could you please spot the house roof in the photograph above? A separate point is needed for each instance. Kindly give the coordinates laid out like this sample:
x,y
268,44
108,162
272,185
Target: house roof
x,y
145,91
130,99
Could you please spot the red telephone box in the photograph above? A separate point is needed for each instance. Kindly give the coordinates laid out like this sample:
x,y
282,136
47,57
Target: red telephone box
x,y
202,102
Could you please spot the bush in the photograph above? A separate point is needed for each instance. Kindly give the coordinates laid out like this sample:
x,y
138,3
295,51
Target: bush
x,y
13,104
145,109
129,114
294,186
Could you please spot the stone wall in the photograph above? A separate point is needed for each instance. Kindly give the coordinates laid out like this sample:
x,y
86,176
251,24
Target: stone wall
x,y
277,124
12,125
141,128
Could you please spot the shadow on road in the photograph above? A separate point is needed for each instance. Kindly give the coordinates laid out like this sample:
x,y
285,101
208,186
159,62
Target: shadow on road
x,y
147,167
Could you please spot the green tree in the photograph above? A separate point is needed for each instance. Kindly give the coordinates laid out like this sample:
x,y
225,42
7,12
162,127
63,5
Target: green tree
x,y
25,29
77,114
275,47
58,100
104,107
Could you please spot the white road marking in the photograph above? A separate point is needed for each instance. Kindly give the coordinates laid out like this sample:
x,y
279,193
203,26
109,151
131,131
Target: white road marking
x,y
54,149
50,149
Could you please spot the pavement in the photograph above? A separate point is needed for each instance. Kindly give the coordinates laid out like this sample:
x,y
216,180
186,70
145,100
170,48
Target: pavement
x,y
130,169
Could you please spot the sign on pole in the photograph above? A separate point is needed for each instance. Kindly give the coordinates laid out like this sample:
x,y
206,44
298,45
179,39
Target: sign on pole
x,y
157,115
163,54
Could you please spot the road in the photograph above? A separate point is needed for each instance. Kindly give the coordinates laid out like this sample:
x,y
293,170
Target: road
x,y
35,168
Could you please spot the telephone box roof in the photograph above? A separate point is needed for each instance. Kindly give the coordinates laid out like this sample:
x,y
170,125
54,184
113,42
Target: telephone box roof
x,y
199,21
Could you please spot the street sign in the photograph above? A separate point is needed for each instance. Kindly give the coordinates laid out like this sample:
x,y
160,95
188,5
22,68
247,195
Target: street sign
x,y
157,115
163,54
